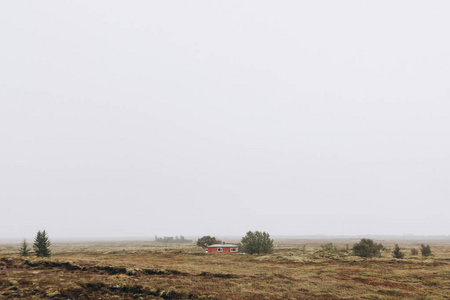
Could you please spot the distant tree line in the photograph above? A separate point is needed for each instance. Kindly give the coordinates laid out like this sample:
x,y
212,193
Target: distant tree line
x,y
172,240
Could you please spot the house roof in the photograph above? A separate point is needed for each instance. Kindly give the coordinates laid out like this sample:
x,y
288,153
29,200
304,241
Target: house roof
x,y
223,245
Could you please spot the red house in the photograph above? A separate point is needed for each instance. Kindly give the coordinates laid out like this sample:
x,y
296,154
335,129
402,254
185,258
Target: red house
x,y
222,248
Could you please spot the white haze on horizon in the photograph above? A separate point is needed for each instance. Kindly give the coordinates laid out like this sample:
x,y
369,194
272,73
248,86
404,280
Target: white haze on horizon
x,y
199,118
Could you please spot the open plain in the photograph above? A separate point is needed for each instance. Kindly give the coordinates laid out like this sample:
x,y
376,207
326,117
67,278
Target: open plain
x,y
298,269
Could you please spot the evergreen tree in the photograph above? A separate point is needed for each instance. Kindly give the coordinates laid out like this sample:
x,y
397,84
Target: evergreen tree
x,y
425,250
397,253
24,250
41,244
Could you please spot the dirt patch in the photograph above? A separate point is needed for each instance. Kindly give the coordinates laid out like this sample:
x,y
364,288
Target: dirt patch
x,y
163,272
136,291
218,275
377,282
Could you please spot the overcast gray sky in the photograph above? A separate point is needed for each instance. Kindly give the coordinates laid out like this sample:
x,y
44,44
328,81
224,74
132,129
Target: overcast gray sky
x,y
135,118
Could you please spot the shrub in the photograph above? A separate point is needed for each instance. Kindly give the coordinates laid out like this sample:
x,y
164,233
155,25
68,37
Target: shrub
x,y
367,248
207,240
397,253
41,244
257,242
425,250
329,248
345,250
414,251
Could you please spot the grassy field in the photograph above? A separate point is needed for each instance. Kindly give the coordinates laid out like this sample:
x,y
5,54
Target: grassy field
x,y
298,269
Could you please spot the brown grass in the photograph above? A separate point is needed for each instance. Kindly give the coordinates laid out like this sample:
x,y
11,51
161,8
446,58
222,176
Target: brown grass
x,y
297,270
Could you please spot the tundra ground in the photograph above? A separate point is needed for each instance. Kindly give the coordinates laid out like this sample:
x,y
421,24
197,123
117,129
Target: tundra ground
x,y
298,269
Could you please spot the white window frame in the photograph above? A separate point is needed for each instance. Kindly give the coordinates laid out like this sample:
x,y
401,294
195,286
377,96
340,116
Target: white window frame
x,y
234,250
219,249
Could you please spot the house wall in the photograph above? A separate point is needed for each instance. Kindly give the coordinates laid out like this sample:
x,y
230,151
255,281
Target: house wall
x,y
225,250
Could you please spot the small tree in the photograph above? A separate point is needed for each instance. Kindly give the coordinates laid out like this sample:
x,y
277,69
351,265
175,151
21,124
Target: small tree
x,y
397,253
41,244
414,251
24,250
425,250
257,242
207,240
367,248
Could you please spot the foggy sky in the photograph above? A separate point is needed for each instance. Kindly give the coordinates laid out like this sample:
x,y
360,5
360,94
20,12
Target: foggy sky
x,y
136,118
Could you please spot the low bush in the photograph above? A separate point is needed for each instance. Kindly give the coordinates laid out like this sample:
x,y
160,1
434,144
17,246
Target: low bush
x,y
329,248
425,250
367,248
397,253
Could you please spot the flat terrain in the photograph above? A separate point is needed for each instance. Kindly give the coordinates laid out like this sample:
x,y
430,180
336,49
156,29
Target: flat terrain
x,y
298,269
